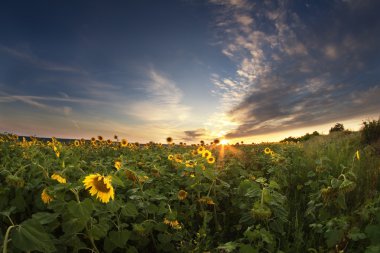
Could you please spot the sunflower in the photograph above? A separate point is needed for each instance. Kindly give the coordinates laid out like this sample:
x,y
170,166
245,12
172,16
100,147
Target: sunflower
x,y
100,138
210,159
169,140
118,165
109,142
267,151
216,141
100,186
58,178
93,139
190,163
124,143
115,137
82,141
182,195
46,198
171,157
194,152
173,223
178,158
201,149
272,153
76,143
206,154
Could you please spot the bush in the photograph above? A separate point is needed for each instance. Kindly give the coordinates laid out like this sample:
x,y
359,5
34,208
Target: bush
x,y
337,128
370,132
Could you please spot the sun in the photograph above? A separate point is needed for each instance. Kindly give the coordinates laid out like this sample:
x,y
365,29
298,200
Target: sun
x,y
224,142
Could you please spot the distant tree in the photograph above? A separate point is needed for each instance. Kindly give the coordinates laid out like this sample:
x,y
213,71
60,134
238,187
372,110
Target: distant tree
x,y
337,128
302,138
370,131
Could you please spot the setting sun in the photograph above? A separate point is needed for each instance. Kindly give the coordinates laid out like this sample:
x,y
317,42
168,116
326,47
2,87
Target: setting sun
x,y
224,142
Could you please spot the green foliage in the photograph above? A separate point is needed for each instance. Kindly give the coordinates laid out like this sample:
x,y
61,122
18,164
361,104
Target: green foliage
x,y
337,128
305,137
319,195
370,132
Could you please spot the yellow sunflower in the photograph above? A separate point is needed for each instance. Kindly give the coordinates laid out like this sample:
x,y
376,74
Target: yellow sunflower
x,y
117,165
93,139
100,186
170,157
109,142
173,223
206,154
100,138
182,195
76,143
169,140
58,178
190,163
201,149
267,151
124,143
46,198
211,159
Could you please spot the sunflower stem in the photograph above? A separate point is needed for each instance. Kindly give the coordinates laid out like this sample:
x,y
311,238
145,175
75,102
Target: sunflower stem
x,y
5,242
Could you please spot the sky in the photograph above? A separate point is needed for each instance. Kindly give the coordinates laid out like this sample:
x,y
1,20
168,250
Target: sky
x,y
194,70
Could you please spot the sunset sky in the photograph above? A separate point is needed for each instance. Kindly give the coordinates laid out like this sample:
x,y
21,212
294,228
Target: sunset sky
x,y
190,69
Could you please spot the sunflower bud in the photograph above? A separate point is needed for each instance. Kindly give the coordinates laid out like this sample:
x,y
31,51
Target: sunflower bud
x,y
261,211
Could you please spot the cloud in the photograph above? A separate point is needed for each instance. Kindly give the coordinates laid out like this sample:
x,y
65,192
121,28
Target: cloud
x,y
38,62
163,103
293,72
192,135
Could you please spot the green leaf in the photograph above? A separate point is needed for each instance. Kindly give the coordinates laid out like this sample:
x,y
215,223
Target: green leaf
x,y
30,235
356,235
119,238
45,217
164,238
274,185
8,211
82,209
229,246
373,249
333,237
209,174
341,201
373,233
99,231
117,181
73,225
129,210
246,248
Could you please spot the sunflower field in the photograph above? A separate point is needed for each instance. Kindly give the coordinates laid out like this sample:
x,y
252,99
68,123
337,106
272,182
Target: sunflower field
x,y
113,196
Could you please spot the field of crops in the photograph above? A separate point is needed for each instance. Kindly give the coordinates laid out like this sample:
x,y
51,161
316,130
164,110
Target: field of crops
x,y
113,196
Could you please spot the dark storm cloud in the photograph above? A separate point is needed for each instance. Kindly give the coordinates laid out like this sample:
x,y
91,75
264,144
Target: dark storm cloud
x,y
305,64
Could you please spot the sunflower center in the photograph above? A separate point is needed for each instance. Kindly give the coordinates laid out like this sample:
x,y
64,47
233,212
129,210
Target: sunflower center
x,y
100,185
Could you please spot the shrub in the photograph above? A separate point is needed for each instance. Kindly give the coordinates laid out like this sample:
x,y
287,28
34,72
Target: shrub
x,y
370,131
337,128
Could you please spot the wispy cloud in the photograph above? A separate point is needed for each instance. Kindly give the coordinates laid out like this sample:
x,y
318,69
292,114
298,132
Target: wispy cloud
x,y
163,101
292,73
38,62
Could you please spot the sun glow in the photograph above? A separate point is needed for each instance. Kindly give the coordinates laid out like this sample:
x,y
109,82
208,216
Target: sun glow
x,y
224,142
